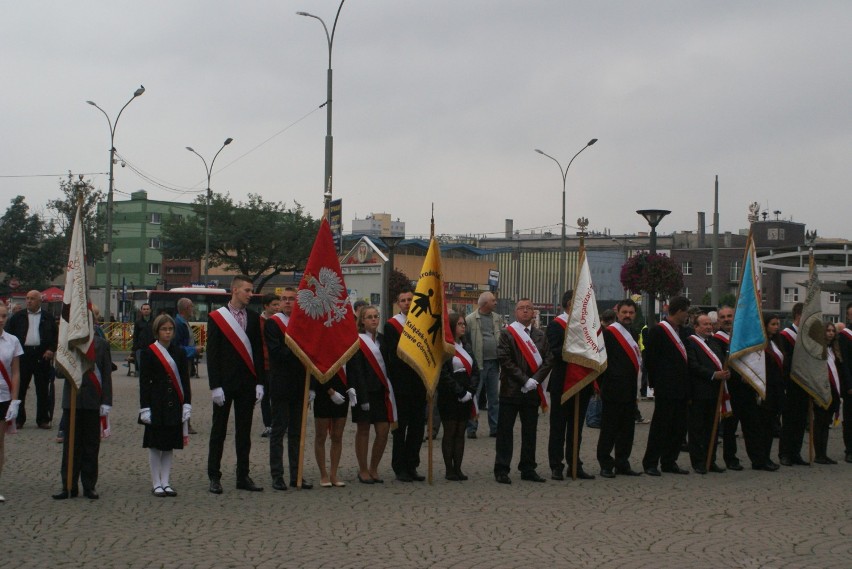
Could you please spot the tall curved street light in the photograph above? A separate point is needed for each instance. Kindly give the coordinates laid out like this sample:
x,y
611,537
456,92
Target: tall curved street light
x,y
563,256
108,245
653,217
329,140
209,171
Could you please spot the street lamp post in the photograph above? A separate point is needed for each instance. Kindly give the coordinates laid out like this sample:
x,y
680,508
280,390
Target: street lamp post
x,y
209,171
653,217
108,245
563,254
329,140
391,241
121,288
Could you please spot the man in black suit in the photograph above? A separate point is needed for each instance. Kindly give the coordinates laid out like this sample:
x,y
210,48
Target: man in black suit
x,y
794,416
844,338
525,360
410,396
668,375
706,370
286,394
38,333
619,385
236,376
560,442
94,400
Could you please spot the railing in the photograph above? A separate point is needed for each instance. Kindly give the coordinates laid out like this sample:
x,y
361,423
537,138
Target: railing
x,y
120,335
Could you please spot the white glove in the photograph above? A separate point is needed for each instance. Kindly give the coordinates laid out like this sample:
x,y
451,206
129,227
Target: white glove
x,y
365,406
530,385
145,415
466,397
258,392
219,396
187,412
337,398
105,409
12,413
353,398
311,396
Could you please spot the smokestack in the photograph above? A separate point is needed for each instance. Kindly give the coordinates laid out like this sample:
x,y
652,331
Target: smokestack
x,y
701,230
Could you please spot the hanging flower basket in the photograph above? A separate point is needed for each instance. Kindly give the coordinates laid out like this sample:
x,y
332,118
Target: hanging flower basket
x,y
656,274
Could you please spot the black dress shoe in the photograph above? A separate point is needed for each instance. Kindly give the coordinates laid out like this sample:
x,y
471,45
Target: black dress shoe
x,y
627,472
735,465
798,460
768,467
607,473
367,480
699,470
785,461
452,476
674,469
556,474
502,478
717,469
532,476
248,484
278,484
91,494
652,471
417,477
215,487
305,485
583,475
404,477
65,494
824,460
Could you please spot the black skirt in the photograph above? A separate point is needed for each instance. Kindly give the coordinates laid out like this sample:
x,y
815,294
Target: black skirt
x,y
324,408
378,412
162,437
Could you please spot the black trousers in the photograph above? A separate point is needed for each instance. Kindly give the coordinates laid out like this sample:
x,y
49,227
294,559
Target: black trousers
x,y
668,427
794,417
618,424
847,423
87,445
702,412
408,436
286,416
243,403
756,424
560,442
41,371
822,421
509,411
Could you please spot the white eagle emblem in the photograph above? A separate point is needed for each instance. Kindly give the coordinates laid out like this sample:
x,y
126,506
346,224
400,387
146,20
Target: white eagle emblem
x,y
326,301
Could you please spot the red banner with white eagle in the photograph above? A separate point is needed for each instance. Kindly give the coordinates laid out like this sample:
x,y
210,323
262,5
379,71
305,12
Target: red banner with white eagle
x,y
322,331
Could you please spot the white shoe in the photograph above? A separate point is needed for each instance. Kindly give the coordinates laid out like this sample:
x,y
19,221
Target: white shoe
x,y
2,499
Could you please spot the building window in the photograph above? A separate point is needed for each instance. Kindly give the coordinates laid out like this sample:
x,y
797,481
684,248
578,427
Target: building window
x,y
686,267
834,298
685,292
155,218
791,294
154,243
775,234
179,270
153,268
735,271
708,267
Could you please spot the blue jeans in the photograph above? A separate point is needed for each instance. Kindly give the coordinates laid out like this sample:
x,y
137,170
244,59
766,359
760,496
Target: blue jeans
x,y
489,379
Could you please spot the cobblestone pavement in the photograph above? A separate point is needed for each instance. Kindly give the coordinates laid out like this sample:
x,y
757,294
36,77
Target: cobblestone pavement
x,y
798,517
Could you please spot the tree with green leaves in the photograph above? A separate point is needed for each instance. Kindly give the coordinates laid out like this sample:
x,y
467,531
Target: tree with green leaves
x,y
257,238
31,251
65,208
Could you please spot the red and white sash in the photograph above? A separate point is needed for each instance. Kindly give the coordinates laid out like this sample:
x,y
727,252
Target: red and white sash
x,y
398,322
723,337
791,334
6,377
777,355
282,320
463,361
833,377
373,355
530,353
674,337
628,344
562,320
235,334
848,333
97,379
699,341
170,366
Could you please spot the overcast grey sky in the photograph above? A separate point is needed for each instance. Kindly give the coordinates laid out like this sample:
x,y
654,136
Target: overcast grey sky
x,y
444,101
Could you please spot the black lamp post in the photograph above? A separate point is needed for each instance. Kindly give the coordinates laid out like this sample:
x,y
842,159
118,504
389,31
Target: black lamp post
x,y
653,217
391,241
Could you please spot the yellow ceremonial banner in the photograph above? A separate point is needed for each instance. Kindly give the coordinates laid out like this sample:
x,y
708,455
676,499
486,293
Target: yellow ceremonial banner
x,y
426,341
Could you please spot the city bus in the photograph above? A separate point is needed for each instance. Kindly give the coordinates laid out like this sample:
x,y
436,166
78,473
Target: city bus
x,y
204,300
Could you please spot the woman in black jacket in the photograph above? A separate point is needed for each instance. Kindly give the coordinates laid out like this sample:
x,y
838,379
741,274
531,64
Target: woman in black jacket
x,y
164,402
456,392
836,379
